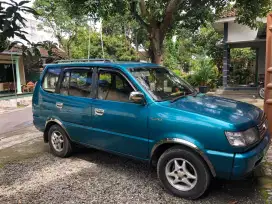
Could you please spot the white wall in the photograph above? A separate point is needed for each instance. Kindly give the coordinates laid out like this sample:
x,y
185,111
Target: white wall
x,y
238,33
36,35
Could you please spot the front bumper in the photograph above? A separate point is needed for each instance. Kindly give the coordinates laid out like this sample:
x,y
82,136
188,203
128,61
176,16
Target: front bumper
x,y
237,166
244,163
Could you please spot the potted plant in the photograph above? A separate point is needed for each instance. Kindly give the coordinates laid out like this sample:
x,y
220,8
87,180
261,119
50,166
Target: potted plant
x,y
205,74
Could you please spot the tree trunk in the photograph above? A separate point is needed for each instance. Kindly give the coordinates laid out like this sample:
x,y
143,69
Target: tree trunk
x,y
156,45
68,49
155,57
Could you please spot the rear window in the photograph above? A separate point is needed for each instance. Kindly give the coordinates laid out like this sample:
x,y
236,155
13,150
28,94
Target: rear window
x,y
50,79
77,83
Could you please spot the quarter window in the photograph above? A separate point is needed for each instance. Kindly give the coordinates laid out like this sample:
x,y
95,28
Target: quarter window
x,y
77,83
113,86
51,79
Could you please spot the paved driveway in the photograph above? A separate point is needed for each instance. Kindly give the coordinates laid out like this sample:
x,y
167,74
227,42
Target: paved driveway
x,y
13,120
30,174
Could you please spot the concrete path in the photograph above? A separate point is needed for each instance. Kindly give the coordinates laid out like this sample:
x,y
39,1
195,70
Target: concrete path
x,y
14,120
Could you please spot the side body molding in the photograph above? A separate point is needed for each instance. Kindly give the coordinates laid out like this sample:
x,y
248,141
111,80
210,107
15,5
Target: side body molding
x,y
187,144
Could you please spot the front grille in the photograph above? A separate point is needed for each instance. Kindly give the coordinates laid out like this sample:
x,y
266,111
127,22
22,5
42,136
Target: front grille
x,y
263,126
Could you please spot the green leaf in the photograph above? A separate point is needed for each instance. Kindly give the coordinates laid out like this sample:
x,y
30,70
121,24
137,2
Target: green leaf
x,y
14,2
21,36
10,11
23,2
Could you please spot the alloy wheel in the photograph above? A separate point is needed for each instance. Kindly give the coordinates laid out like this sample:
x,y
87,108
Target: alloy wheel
x,y
57,141
181,174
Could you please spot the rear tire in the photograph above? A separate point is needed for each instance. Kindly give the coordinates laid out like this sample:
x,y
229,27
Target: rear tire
x,y
59,142
261,93
183,173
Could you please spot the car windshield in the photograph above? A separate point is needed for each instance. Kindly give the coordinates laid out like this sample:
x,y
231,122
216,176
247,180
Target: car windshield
x,y
161,83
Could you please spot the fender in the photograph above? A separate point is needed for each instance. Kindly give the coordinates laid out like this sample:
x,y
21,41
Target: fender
x,y
187,144
54,120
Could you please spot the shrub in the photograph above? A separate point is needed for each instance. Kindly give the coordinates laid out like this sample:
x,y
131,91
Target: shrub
x,y
205,73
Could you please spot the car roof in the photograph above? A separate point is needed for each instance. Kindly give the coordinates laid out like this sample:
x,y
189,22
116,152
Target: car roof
x,y
122,65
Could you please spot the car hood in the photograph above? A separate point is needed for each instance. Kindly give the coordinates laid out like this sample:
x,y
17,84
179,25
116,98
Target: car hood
x,y
224,109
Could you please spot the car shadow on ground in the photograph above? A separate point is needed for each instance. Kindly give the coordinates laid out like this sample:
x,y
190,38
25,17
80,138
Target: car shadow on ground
x,y
93,176
223,191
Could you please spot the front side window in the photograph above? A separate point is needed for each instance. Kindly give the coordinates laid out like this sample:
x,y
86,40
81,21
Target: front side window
x,y
161,83
50,79
113,86
76,83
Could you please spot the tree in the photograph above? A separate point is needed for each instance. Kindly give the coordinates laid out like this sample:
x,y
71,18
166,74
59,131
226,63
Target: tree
x,y
208,40
205,72
31,56
12,22
115,46
178,53
128,27
49,46
249,12
241,71
162,17
65,26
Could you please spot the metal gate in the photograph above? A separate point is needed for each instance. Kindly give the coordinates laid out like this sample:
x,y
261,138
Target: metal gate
x,y
268,72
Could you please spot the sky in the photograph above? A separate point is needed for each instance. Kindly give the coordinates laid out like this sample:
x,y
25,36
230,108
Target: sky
x,y
28,16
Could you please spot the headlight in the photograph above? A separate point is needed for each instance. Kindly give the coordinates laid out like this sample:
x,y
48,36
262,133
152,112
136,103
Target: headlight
x,y
242,139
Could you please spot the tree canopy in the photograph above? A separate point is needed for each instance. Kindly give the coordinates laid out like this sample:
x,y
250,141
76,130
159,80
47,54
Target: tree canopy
x,y
64,26
161,18
116,47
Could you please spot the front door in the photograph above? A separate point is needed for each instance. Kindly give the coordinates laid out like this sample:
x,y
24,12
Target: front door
x,y
73,103
118,124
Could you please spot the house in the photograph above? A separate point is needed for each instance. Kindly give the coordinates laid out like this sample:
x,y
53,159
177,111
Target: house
x,y
241,36
12,73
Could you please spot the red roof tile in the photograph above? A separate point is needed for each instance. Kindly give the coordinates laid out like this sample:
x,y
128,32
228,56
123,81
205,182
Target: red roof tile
x,y
44,53
228,13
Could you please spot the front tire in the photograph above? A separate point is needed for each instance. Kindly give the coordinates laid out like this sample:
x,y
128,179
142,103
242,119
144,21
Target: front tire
x,y
183,173
59,142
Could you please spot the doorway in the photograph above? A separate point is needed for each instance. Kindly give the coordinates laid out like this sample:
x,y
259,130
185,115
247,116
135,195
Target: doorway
x,y
7,76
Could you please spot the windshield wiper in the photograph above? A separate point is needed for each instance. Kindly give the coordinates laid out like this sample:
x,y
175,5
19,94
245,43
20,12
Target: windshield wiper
x,y
177,98
194,94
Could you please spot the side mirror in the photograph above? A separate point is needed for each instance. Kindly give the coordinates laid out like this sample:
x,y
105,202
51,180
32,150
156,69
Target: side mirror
x,y
137,97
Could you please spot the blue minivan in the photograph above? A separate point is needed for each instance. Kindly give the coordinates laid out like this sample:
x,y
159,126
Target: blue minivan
x,y
144,111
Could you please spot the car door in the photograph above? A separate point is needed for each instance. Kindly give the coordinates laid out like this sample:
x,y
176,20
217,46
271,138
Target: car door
x,y
48,93
118,124
74,102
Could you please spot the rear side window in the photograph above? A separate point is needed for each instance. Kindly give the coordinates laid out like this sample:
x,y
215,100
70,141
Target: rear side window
x,y
77,83
50,79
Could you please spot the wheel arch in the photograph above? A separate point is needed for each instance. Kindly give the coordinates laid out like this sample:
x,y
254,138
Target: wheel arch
x,y
160,147
50,122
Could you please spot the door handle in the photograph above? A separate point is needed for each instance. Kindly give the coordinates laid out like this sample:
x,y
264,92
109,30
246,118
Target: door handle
x,y
59,105
98,112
